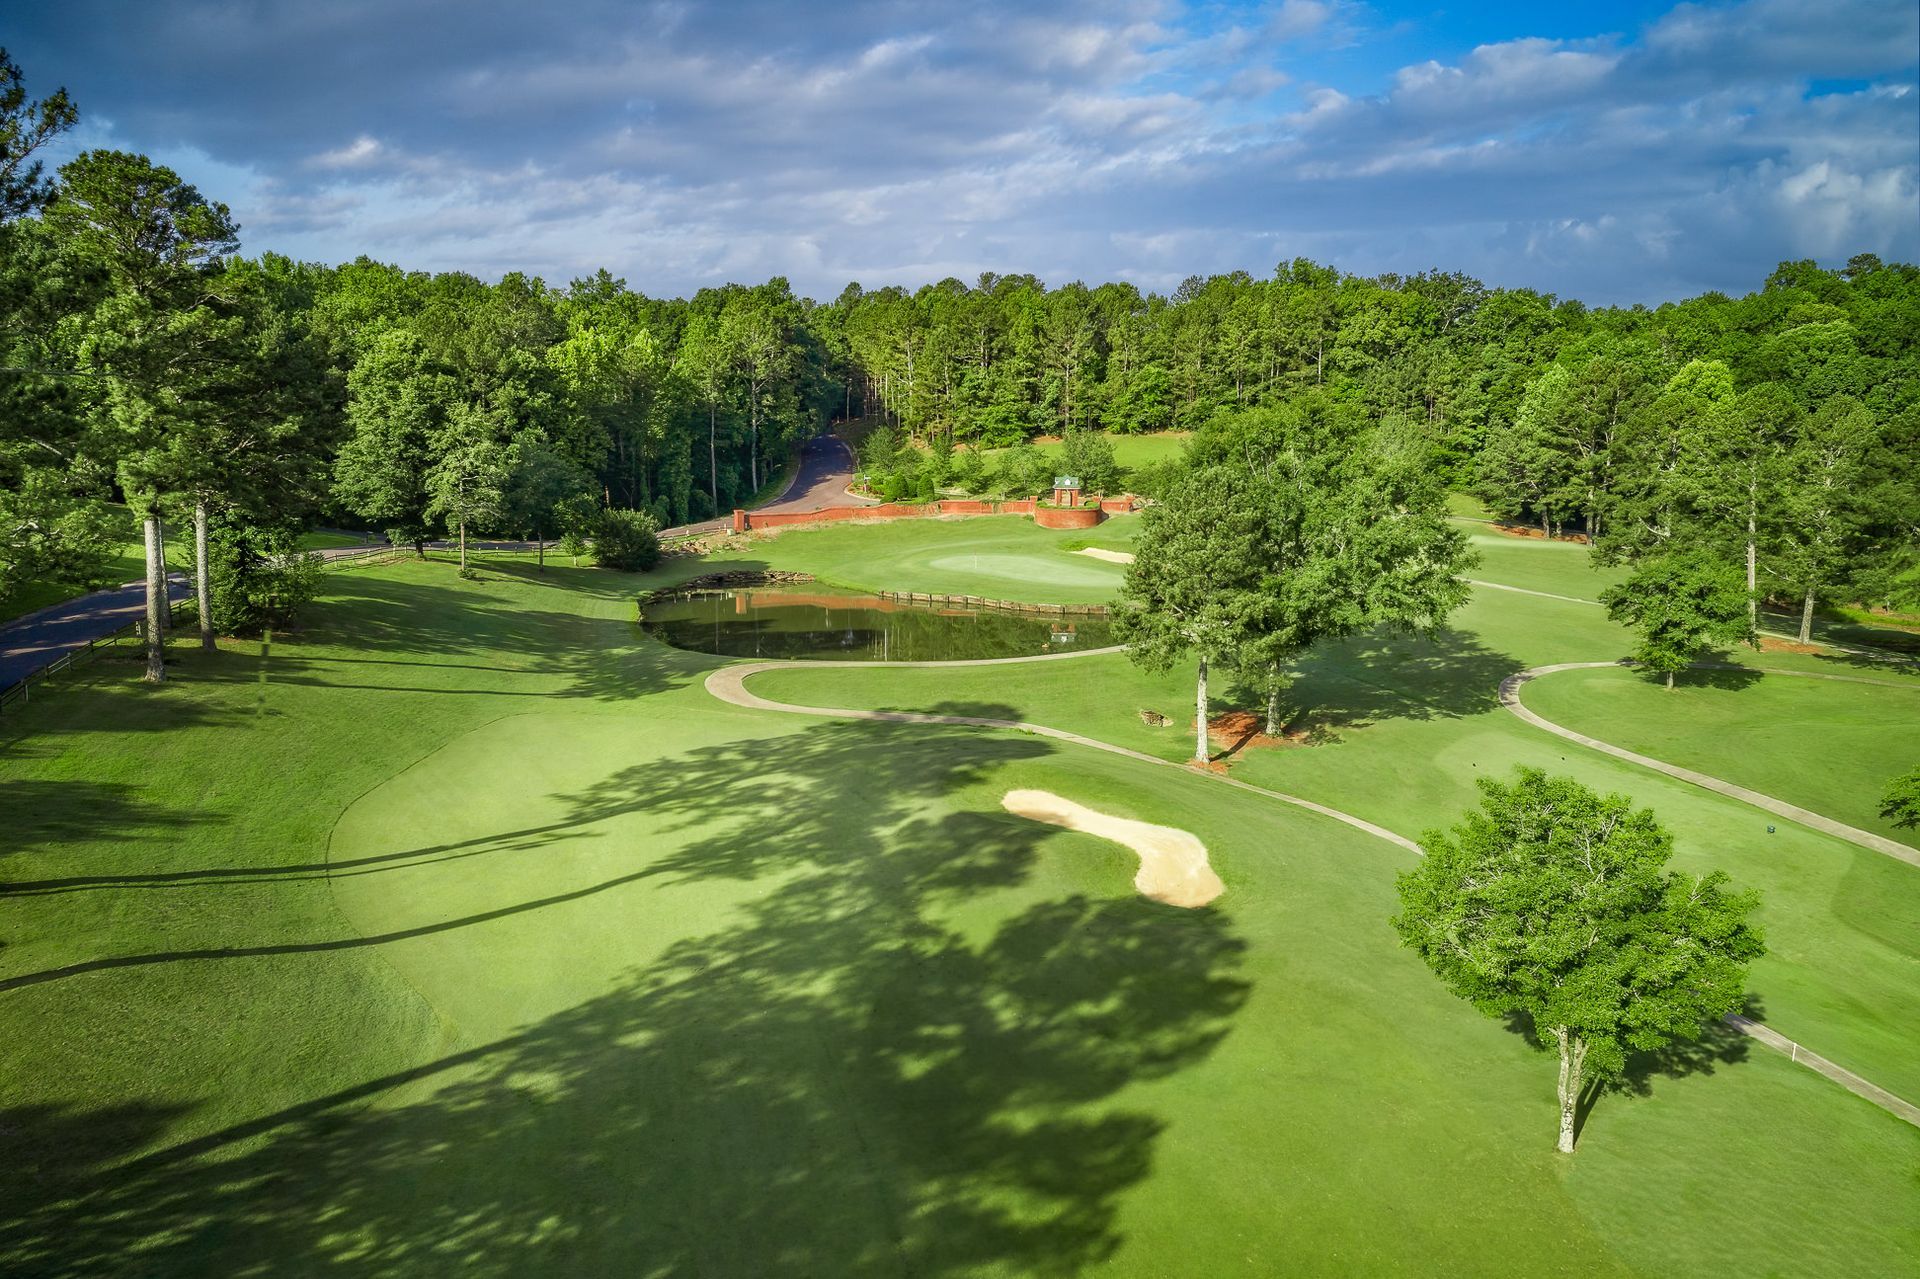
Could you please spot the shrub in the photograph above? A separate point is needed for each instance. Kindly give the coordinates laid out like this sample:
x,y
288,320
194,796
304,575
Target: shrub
x,y
627,540
259,578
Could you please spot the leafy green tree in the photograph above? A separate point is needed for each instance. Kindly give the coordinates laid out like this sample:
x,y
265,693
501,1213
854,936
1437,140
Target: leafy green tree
x,y
1901,804
627,540
154,339
1524,469
399,403
1680,605
1555,903
47,535
260,576
467,485
1193,589
1828,515
1736,477
1089,456
540,486
1353,531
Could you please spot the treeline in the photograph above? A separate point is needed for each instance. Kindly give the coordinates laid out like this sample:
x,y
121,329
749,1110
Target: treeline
x,y
146,363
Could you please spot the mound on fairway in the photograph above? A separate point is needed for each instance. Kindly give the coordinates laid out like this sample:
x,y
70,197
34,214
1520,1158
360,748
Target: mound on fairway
x,y
1173,864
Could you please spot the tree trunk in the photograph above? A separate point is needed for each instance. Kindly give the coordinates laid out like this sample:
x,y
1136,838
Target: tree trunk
x,y
1273,700
1200,751
1573,1055
156,602
1806,618
713,456
1669,681
203,579
463,544
540,546
166,600
1753,560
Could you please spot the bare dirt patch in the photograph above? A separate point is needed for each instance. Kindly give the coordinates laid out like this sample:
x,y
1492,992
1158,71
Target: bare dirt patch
x,y
1102,553
1236,731
1774,644
1173,863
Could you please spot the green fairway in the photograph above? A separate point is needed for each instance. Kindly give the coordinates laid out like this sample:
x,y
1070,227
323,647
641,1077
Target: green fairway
x,y
1826,745
464,932
1003,557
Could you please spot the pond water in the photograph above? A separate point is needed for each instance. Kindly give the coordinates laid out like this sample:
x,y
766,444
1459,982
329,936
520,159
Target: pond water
x,y
825,623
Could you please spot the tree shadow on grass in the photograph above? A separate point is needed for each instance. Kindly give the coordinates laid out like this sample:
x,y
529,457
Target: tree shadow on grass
x,y
1718,1044
36,814
850,1076
1384,676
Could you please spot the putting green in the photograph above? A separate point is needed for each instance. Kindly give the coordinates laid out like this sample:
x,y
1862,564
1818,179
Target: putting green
x,y
1028,570
997,556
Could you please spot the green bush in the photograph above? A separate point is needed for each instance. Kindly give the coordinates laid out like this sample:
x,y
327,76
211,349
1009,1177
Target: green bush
x,y
627,540
259,577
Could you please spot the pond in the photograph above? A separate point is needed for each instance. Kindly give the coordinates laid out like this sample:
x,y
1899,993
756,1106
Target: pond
x,y
826,623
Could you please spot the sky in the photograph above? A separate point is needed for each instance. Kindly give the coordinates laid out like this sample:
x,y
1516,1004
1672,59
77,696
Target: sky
x,y
1614,153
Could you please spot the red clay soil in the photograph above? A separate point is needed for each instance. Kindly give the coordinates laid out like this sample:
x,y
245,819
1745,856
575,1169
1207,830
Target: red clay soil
x,y
1236,731
1527,530
1772,644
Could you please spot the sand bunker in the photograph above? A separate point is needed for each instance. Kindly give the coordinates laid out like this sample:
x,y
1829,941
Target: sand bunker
x,y
1173,864
1102,553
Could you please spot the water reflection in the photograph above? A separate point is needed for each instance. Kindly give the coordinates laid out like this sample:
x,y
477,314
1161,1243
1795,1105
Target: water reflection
x,y
823,622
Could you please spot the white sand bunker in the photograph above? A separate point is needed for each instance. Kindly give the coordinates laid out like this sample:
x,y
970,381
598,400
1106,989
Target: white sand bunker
x,y
1102,553
1173,864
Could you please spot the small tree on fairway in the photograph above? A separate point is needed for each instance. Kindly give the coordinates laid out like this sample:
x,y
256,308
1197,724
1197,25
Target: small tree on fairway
x,y
1901,804
1555,902
1193,586
1681,604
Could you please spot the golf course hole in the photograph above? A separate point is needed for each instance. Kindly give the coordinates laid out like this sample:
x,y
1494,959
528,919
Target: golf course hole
x,y
1173,863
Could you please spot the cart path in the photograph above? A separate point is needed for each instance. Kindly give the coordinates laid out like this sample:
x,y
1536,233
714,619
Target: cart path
x,y
729,684
1510,698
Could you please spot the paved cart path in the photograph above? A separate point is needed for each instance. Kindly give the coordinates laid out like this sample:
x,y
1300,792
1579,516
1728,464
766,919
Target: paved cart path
x,y
1510,698
729,684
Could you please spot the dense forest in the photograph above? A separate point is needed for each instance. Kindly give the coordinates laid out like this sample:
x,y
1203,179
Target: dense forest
x,y
147,363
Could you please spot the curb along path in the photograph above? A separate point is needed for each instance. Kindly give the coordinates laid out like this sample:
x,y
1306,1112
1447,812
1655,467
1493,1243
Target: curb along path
x,y
729,684
1510,698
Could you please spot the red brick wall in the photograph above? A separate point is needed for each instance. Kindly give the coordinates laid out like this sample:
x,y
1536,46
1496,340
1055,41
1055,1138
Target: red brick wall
x,y
745,520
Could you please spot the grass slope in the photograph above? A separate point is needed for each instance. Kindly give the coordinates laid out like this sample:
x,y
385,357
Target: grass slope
x,y
464,933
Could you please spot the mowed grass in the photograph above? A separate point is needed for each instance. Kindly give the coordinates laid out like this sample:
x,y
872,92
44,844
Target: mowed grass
x,y
1827,745
464,933
1005,557
1129,451
1404,727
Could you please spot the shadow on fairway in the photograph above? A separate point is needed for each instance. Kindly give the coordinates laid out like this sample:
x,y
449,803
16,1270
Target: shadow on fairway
x,y
875,1067
36,814
1717,1044
1382,676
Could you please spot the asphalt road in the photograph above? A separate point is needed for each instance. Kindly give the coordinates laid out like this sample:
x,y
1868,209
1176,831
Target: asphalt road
x,y
31,642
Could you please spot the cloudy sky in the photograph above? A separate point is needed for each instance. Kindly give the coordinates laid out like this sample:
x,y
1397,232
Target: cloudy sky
x,y
1617,153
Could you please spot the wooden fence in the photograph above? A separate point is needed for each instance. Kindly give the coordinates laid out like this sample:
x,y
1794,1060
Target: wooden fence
x,y
20,692
1009,606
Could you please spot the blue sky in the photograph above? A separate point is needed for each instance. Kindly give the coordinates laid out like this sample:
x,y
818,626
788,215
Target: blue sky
x,y
1616,153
